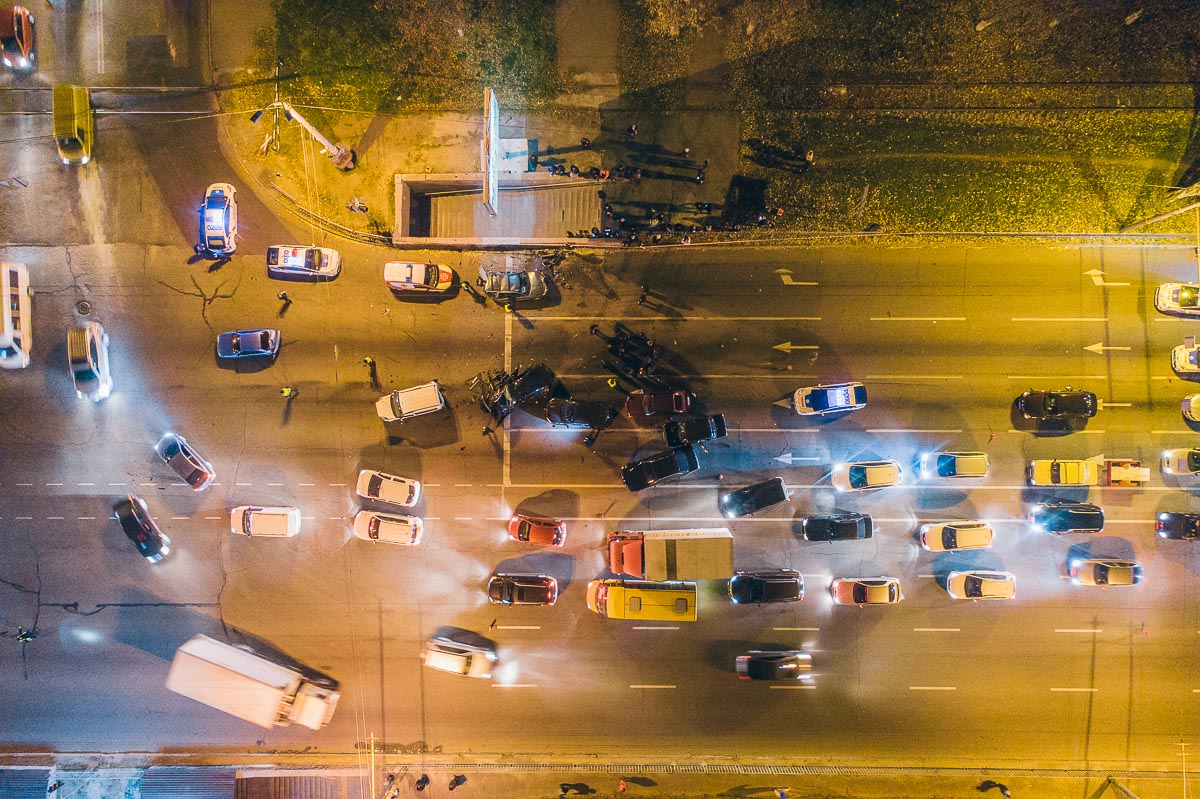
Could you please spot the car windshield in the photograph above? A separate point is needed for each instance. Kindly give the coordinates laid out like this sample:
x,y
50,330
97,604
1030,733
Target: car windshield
x,y
523,530
973,586
1102,573
857,476
312,259
431,274
949,537
947,466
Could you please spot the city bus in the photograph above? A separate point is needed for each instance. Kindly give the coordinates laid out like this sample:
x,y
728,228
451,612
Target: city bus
x,y
643,600
16,320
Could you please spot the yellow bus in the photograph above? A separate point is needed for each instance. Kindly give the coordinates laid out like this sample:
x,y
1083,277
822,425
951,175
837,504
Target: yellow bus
x,y
643,600
16,316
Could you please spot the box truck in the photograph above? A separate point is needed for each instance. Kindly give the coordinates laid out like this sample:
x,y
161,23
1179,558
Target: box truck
x,y
672,554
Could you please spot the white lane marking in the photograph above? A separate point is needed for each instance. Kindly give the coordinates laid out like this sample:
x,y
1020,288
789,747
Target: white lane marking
x,y
932,688
462,518
791,376
800,486
1059,319
906,430
789,458
55,485
1106,404
54,518
179,518
913,377
652,686
218,518
277,485
85,484
1172,319
337,485
1099,348
462,485
116,484
242,485
1074,432
100,36
1074,690
306,485
85,518
518,627
654,628
1086,630
796,629
1056,377
24,485
685,319
937,629
792,687
918,318
514,685
1172,433
24,518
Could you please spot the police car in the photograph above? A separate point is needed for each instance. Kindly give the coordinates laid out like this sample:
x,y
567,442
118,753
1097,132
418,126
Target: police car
x,y
218,220
296,261
401,276
833,398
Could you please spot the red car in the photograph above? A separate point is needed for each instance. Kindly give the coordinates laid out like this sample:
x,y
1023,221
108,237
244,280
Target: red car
x,y
658,403
536,530
16,38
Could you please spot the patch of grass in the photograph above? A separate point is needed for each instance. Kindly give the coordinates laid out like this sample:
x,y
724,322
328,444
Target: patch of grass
x,y
651,65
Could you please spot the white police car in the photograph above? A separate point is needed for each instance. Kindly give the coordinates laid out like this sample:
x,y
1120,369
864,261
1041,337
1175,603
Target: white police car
x,y
218,220
296,261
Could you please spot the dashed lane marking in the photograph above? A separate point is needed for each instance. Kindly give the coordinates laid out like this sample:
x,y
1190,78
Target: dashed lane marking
x,y
796,629
519,627
937,629
1074,690
513,685
1085,630
655,628
932,688
918,318
652,686
792,687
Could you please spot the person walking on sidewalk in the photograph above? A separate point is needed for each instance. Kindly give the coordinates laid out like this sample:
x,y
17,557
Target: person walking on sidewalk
x,y
621,785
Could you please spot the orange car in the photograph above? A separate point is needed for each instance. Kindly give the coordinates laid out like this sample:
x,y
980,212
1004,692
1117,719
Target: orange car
x,y
17,37
536,530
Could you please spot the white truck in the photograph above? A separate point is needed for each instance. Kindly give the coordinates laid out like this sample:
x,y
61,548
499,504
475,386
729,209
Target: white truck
x,y
672,554
249,686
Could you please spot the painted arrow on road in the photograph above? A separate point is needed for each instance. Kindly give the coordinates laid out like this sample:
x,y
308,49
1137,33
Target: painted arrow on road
x,y
788,346
1099,348
1097,277
786,276
789,458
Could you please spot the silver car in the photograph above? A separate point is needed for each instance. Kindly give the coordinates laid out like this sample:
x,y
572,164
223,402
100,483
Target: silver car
x,y
185,461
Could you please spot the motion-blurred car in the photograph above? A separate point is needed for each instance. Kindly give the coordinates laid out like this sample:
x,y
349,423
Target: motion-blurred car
x,y
261,342
953,465
654,469
1177,526
953,536
388,488
537,530
658,402
791,664
1063,473
87,357
219,220
455,657
135,520
562,412
1177,299
837,527
866,591
832,398
753,498
185,461
681,432
1062,404
17,38
296,261
1185,359
388,528
981,585
421,278
1104,572
1181,461
522,589
762,587
1059,516
865,475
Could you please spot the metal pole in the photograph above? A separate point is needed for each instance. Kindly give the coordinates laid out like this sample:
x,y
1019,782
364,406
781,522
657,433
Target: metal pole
x,y
343,157
275,127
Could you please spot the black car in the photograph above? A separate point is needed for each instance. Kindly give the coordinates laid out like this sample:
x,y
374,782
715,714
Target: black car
x,y
682,432
792,664
837,527
1067,517
135,520
522,589
1064,404
752,588
753,498
579,413
653,469
1179,526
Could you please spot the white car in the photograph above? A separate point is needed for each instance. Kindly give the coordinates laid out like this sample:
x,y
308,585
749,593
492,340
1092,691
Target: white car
x,y
865,475
390,528
953,536
1191,407
402,276
866,591
388,488
1178,299
264,522
1181,461
1185,359
219,220
832,398
1064,473
954,465
981,585
297,261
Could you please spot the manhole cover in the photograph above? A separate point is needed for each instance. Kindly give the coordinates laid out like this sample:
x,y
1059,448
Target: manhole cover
x,y
83,307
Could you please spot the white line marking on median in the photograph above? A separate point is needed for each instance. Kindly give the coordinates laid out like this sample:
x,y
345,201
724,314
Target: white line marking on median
x,y
1059,319
652,686
792,687
932,688
1085,630
654,628
906,430
918,318
937,629
1074,690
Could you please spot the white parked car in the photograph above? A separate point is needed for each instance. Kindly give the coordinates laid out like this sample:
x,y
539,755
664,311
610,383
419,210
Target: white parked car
x,y
390,528
388,488
1191,407
952,536
832,398
1178,299
865,475
403,276
1185,359
297,261
981,585
1181,461
264,521
1064,473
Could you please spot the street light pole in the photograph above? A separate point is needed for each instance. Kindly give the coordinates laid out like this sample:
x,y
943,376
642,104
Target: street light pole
x,y
343,157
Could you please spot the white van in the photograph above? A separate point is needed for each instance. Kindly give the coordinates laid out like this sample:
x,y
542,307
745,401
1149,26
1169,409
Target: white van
x,y
467,660
410,402
264,522
87,356
16,316
390,528
388,488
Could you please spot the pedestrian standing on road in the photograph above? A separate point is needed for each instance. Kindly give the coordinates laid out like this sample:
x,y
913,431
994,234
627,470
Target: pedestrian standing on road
x,y
283,296
368,362
585,143
632,131
700,175
687,152
533,162
287,392
621,785
492,626
705,164
781,793
421,782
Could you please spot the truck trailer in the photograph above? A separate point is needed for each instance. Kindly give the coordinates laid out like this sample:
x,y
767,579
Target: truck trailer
x,y
672,554
249,686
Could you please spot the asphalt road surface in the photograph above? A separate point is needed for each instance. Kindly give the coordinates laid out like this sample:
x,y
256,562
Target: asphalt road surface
x,y
945,339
